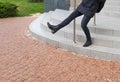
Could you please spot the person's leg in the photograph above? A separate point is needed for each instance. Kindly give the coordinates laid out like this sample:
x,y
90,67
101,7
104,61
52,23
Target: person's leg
x,y
65,22
72,16
84,23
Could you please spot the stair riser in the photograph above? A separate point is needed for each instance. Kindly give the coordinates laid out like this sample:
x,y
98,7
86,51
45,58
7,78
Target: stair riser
x,y
112,14
111,8
81,38
103,55
93,29
112,3
114,0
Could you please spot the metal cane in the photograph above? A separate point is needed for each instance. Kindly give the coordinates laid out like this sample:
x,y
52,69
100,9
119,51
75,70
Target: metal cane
x,y
74,25
95,20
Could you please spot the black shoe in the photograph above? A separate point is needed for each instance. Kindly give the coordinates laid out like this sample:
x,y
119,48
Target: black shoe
x,y
53,28
88,43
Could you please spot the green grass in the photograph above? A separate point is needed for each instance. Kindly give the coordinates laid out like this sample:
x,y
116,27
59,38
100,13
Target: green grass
x,y
26,8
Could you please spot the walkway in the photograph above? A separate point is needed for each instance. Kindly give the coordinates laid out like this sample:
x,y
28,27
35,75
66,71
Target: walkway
x,y
25,59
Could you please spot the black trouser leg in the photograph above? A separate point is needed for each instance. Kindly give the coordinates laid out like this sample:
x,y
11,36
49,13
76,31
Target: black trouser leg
x,y
65,22
72,16
84,23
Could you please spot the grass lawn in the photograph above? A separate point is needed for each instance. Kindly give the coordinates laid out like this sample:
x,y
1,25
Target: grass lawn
x,y
26,8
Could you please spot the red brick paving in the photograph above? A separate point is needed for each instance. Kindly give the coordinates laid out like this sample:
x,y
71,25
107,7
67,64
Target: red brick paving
x,y
23,59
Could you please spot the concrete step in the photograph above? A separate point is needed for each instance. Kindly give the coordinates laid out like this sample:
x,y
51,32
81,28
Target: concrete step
x,y
111,8
104,27
112,0
115,14
93,51
101,40
112,3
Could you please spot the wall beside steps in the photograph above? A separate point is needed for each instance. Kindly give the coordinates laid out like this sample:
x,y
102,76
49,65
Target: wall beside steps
x,y
51,5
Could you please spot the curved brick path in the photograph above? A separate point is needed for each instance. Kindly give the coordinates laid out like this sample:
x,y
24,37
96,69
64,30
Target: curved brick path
x,y
24,59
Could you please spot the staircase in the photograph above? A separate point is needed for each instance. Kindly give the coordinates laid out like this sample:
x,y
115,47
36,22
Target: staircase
x,y
105,36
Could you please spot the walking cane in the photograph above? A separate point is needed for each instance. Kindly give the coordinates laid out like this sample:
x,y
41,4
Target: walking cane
x,y
74,25
95,20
